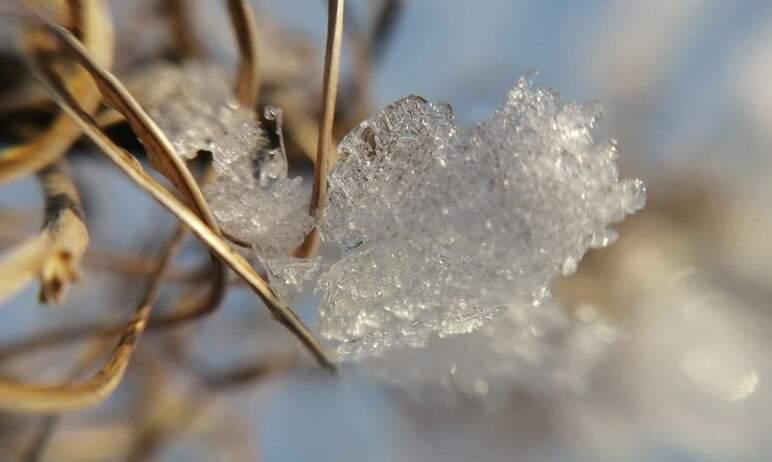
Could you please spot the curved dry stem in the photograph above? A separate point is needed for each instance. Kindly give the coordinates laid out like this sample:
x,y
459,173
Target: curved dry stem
x,y
248,74
159,150
67,234
189,308
35,450
136,265
96,29
54,255
205,233
325,155
16,396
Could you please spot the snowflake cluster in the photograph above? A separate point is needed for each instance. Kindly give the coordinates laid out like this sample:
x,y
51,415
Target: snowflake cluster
x,y
251,195
450,236
444,227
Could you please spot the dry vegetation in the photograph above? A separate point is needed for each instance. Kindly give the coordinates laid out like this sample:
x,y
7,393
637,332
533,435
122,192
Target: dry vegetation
x,y
70,48
71,102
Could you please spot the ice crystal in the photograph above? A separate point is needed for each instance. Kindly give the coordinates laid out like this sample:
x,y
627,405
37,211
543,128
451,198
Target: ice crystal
x,y
251,196
194,106
287,275
443,227
254,199
544,350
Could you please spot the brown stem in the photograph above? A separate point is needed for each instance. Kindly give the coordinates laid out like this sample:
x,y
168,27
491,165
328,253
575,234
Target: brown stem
x,y
248,74
47,398
217,245
324,155
54,255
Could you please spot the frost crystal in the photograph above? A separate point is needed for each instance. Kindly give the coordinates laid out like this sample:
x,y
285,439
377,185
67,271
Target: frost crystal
x,y
251,196
193,104
255,201
538,350
286,275
443,227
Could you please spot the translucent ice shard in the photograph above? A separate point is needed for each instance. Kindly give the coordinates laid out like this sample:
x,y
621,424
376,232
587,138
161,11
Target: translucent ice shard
x,y
251,196
443,227
288,274
255,201
193,104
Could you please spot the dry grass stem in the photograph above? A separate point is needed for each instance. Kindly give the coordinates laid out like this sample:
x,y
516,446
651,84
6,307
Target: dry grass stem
x,y
34,451
25,397
95,27
248,73
185,40
159,150
325,153
201,229
54,255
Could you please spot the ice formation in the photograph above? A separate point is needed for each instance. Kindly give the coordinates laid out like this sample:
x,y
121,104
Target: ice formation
x,y
194,106
251,196
287,275
444,228
254,201
540,351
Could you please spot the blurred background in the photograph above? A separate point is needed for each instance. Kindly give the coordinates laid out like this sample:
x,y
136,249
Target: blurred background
x,y
686,90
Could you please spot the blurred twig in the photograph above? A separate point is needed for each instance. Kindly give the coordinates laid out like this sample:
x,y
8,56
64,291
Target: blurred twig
x,y
34,451
53,255
48,398
185,40
248,73
208,234
95,27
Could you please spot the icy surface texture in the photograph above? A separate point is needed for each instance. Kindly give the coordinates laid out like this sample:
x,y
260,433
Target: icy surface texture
x,y
193,104
287,275
543,350
444,228
251,196
254,201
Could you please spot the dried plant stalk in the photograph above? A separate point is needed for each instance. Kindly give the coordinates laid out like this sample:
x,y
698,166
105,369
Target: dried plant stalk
x,y
248,73
96,29
25,397
325,155
205,233
185,40
37,446
188,308
54,255
66,231
159,150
